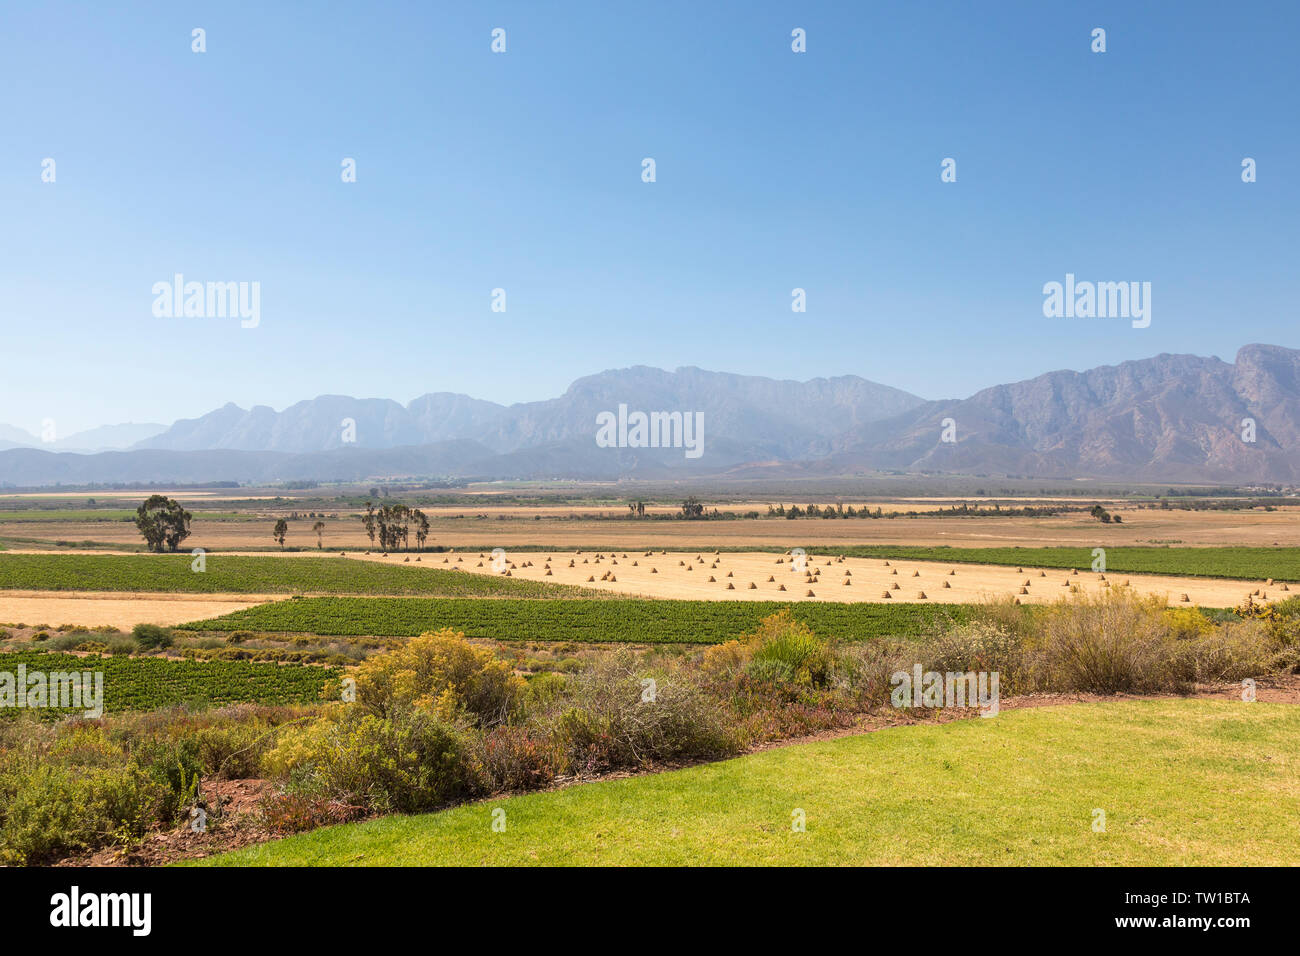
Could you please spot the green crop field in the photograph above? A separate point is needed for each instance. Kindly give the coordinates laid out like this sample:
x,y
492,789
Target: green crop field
x,y
260,575
1183,782
637,621
147,683
1282,564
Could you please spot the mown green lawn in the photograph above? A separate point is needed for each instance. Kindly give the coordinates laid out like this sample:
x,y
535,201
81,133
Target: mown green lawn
x,y
1181,782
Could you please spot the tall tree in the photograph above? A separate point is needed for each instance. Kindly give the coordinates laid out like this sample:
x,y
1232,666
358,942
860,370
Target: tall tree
x,y
319,528
281,529
163,522
369,522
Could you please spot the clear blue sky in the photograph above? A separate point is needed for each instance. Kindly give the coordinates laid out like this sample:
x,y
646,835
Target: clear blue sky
x,y
522,170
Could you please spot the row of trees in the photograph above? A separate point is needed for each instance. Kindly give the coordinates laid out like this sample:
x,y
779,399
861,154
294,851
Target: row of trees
x,y
392,525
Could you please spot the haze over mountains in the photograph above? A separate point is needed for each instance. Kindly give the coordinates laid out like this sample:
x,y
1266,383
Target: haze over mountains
x,y
1167,418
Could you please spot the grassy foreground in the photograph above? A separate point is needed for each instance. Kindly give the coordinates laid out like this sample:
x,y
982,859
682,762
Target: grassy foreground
x,y
1181,782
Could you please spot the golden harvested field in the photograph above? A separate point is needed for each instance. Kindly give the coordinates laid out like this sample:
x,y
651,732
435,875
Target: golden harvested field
x,y
1140,527
687,574
96,609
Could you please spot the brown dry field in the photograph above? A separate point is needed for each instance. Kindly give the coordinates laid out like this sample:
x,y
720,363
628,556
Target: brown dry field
x,y
1140,527
115,609
660,575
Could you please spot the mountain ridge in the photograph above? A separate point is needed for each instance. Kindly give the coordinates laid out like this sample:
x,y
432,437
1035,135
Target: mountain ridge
x,y
1170,417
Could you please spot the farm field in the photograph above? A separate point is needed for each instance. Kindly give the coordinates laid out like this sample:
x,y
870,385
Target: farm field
x,y
111,609
1182,782
516,527
147,683
820,577
255,574
1282,564
634,621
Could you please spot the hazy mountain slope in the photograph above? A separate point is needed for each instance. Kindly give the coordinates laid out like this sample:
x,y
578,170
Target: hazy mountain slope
x,y
781,418
1169,417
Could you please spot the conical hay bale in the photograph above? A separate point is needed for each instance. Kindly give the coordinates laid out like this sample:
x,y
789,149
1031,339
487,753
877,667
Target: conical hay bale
x,y
916,574
781,588
407,559
571,562
1042,574
590,578
547,574
731,587
770,579
753,586
951,572
810,594
887,596
1184,599
1024,590
613,579
920,596
1284,588
690,567
946,584
1020,570
1017,600
1026,584
894,572
848,583
1269,582
712,579
654,570
479,565
895,587
886,564
848,573
636,563
1074,573
730,575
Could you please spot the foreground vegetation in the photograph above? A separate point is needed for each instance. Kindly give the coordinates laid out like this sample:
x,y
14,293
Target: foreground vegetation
x,y
240,574
438,721
1181,783
614,619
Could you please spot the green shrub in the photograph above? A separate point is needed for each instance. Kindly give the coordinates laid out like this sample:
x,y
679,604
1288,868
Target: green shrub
x,y
610,718
786,651
410,762
442,673
58,811
151,636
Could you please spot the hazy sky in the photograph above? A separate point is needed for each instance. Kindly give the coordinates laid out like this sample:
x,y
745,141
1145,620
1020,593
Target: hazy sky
x,y
523,170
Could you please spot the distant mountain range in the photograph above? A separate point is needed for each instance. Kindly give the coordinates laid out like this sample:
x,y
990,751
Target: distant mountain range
x,y
1168,418
103,438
